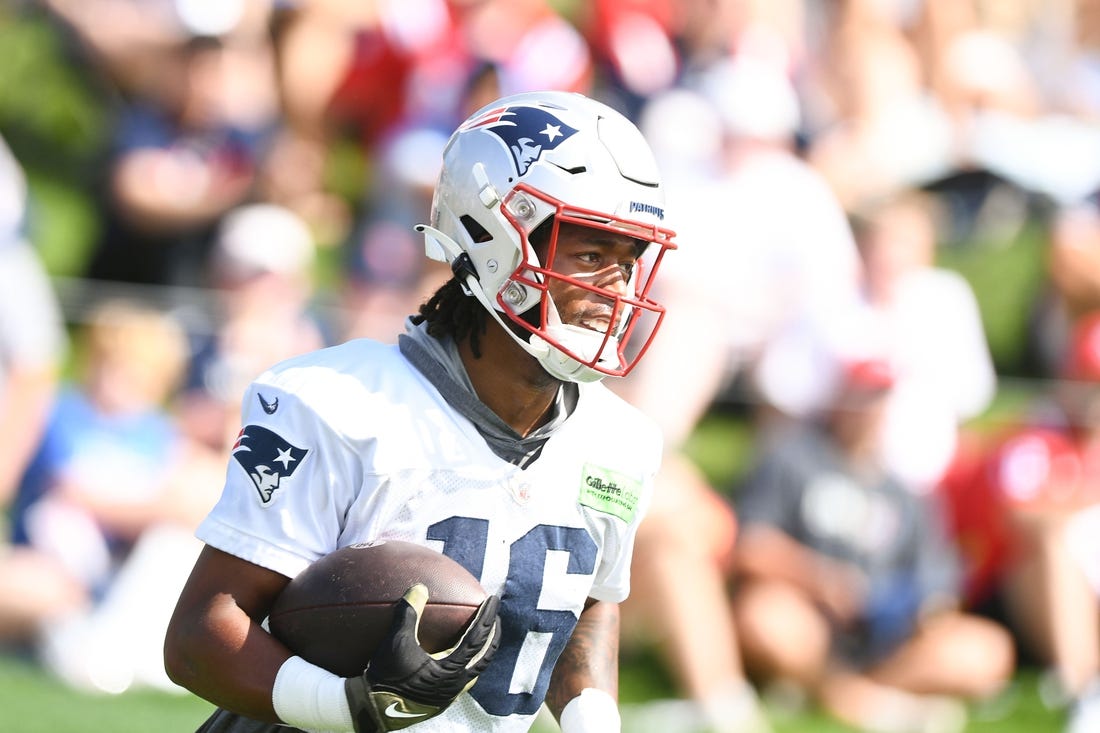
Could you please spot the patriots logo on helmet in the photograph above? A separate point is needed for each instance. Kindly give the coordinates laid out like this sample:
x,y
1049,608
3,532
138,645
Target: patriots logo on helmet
x,y
526,131
267,458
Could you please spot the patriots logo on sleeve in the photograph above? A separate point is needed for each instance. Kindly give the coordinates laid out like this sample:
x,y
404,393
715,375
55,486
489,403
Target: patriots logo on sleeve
x,y
267,458
526,131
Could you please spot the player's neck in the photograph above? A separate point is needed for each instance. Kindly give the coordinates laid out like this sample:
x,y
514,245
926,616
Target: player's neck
x,y
510,381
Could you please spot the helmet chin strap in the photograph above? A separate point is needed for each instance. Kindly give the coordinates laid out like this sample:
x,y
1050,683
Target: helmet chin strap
x,y
583,341
564,367
440,247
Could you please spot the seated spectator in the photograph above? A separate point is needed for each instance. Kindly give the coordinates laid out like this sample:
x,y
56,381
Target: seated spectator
x,y
103,517
180,161
848,586
482,59
261,270
925,316
1071,287
776,266
125,40
1028,515
388,277
33,343
877,128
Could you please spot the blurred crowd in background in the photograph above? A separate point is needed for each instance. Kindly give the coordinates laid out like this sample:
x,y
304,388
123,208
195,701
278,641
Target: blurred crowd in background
x,y
883,553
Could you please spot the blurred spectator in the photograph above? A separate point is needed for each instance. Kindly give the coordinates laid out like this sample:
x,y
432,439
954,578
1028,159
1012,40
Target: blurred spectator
x,y
126,40
848,586
787,264
687,542
183,158
341,72
1028,518
925,317
373,68
634,50
688,535
787,242
1008,75
258,124
388,276
103,517
874,127
262,277
376,66
33,340
1071,288
785,247
399,76
529,42
320,44
643,48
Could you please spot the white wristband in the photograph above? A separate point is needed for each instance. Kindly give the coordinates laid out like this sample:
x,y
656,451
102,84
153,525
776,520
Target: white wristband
x,y
592,711
313,699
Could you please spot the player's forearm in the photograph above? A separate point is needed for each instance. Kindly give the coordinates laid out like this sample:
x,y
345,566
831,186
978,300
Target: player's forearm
x,y
215,646
590,659
226,658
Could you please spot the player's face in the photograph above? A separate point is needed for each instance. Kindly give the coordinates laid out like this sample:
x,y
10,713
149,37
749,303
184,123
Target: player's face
x,y
598,259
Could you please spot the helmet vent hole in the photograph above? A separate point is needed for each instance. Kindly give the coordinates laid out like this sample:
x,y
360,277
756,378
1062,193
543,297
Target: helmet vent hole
x,y
478,233
575,170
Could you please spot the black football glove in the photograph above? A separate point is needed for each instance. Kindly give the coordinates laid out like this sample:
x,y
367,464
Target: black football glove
x,y
404,684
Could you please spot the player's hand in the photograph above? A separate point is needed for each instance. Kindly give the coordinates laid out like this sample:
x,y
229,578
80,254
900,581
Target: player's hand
x,y
404,684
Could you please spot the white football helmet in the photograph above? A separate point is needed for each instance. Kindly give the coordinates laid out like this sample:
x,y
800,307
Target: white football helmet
x,y
514,165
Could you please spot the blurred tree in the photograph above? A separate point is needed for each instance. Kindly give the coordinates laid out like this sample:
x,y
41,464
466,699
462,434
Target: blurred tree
x,y
49,107
54,113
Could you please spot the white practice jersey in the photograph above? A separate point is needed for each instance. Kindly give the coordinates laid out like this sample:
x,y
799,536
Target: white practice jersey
x,y
353,443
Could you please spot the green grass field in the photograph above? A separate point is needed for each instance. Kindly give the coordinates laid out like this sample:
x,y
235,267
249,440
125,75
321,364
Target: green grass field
x,y
32,702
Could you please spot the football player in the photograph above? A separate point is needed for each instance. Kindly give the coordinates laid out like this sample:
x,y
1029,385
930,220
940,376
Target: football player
x,y
484,433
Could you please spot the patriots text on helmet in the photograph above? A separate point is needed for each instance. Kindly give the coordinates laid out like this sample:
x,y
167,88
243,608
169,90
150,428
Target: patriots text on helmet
x,y
637,207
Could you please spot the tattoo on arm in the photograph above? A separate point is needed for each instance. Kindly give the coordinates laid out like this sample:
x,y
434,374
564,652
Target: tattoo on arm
x,y
590,659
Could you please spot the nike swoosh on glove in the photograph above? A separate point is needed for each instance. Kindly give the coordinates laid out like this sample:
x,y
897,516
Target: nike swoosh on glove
x,y
404,684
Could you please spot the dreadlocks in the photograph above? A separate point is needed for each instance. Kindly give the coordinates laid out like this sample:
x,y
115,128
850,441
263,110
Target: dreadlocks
x,y
451,312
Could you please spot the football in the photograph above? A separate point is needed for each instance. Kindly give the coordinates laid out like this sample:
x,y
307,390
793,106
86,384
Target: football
x,y
337,610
